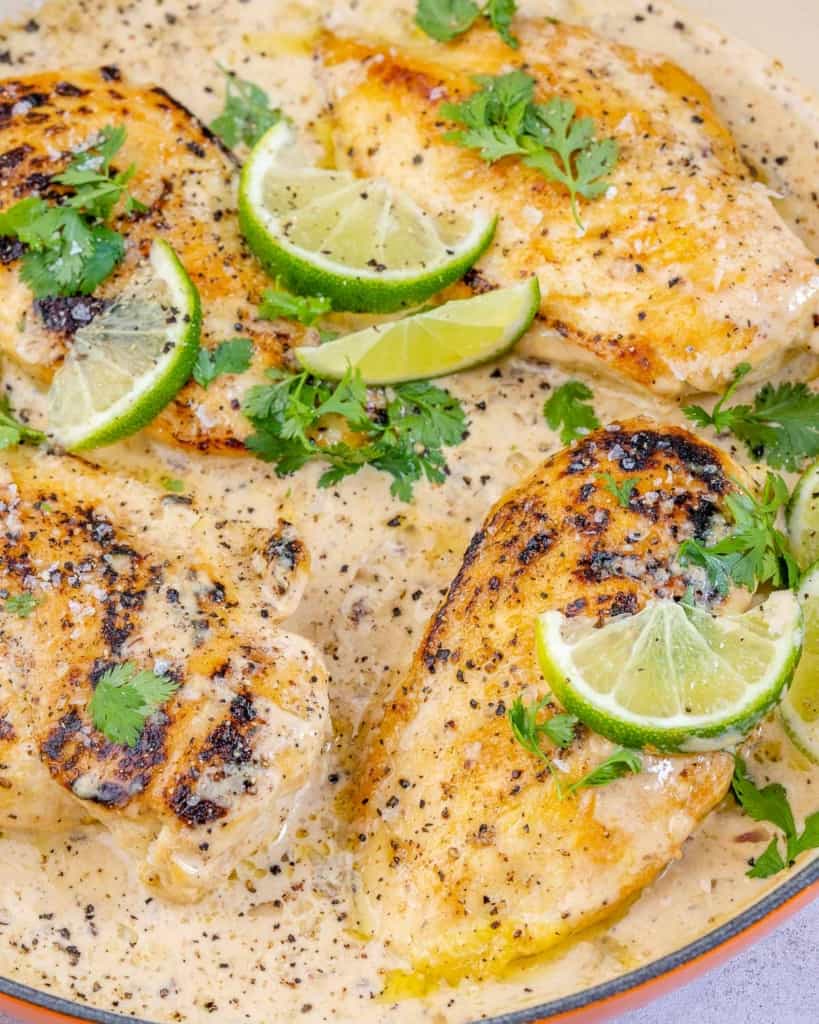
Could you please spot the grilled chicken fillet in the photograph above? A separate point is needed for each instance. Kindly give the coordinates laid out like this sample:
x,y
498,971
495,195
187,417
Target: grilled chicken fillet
x,y
467,859
685,269
121,573
188,181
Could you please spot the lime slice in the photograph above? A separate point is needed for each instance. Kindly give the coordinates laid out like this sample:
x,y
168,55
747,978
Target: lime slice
x,y
673,677
360,242
803,518
800,707
443,340
131,360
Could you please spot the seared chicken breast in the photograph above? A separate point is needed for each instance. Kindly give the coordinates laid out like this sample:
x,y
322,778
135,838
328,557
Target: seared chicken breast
x,y
187,179
121,574
467,858
685,268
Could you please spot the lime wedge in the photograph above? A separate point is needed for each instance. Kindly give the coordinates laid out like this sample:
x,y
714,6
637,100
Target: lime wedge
x,y
673,677
131,360
362,243
800,707
803,518
443,340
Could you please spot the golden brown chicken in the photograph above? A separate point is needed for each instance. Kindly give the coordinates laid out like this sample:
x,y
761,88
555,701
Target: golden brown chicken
x,y
117,573
467,857
685,268
187,179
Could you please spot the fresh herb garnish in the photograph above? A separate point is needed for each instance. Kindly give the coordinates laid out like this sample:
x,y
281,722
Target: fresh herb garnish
x,y
622,492
170,483
771,804
232,356
444,20
305,309
501,119
756,551
22,605
247,113
400,430
123,700
782,426
528,728
70,250
96,190
12,431
567,409
620,763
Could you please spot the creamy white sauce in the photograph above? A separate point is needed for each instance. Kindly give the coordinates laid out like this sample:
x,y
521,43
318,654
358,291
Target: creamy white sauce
x,y
274,944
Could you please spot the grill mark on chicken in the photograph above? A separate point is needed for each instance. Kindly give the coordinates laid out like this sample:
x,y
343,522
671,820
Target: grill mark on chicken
x,y
186,178
103,555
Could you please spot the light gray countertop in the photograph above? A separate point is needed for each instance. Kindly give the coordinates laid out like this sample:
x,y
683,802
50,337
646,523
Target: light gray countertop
x,y
774,982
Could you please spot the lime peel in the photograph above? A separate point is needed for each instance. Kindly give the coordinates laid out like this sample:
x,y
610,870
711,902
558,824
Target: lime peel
x,y
799,710
109,348
452,337
359,242
672,677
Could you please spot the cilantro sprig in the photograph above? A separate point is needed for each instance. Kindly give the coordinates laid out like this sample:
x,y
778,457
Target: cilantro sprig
x,y
22,605
125,698
12,431
755,552
502,119
771,804
622,492
445,20
401,430
231,356
305,309
70,250
529,729
247,113
568,409
617,765
782,425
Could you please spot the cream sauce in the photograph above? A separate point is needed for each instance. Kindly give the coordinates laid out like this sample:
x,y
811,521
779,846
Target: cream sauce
x,y
274,943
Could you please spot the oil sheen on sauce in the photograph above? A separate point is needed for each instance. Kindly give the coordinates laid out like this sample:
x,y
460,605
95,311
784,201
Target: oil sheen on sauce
x,y
275,943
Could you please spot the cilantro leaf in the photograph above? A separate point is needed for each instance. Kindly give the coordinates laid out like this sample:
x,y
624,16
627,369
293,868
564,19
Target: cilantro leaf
x,y
782,426
527,728
618,764
89,174
400,431
70,250
445,20
305,309
755,552
622,492
768,863
232,356
124,698
246,114
567,410
12,431
172,484
809,840
771,804
502,119
500,14
22,605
